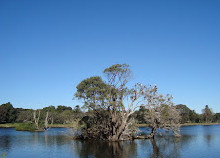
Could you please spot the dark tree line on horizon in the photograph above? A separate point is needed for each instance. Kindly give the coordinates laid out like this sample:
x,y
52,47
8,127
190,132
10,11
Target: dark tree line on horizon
x,y
66,115
187,115
60,115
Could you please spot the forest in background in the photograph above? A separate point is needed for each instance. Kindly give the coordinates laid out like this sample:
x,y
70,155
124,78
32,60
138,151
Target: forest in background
x,y
68,115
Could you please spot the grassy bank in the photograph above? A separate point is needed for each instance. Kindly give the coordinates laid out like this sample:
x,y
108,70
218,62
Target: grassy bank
x,y
195,124
14,125
185,124
9,125
61,126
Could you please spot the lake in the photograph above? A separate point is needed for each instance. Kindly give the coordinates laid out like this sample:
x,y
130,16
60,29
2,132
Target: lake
x,y
196,141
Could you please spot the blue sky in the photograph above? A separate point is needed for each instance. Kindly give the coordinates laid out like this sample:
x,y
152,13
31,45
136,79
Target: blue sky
x,y
48,47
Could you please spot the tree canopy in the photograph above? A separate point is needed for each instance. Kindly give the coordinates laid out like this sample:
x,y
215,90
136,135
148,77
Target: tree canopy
x,y
207,114
7,113
113,103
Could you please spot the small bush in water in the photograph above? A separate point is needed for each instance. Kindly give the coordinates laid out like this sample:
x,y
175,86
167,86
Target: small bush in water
x,y
25,127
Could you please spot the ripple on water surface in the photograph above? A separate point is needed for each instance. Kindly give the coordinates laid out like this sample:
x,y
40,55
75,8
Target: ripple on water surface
x,y
196,141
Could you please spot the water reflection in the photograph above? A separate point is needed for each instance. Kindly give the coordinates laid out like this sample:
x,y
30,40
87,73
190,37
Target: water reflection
x,y
46,138
105,149
156,150
166,147
208,134
5,143
195,141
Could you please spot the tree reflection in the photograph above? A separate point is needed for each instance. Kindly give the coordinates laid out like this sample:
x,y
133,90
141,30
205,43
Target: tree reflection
x,y
161,147
5,143
106,149
156,151
167,146
208,139
208,134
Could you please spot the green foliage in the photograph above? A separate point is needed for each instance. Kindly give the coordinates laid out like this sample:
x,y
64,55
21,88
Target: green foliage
x,y
61,115
140,115
49,108
61,108
184,113
194,117
118,76
25,127
92,90
187,115
118,71
104,101
7,113
95,125
24,115
216,117
207,114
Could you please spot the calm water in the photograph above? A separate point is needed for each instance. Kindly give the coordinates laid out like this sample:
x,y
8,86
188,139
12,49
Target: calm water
x,y
196,141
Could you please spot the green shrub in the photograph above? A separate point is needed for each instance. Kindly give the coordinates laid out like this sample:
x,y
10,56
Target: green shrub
x,y
25,127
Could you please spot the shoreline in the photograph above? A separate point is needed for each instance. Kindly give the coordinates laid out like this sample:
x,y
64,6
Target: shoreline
x,y
186,124
197,124
13,125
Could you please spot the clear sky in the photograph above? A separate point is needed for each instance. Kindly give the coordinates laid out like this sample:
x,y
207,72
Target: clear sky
x,y
48,46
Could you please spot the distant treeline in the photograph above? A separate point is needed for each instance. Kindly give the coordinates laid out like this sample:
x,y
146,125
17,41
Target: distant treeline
x,y
67,115
59,115
187,115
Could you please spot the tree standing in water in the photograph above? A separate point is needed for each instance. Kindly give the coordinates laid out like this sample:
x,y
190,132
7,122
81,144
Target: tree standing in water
x,y
111,104
163,115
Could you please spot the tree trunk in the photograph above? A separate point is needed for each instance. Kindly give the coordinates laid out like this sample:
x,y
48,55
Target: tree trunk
x,y
51,120
46,121
118,126
36,120
121,129
151,135
156,151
